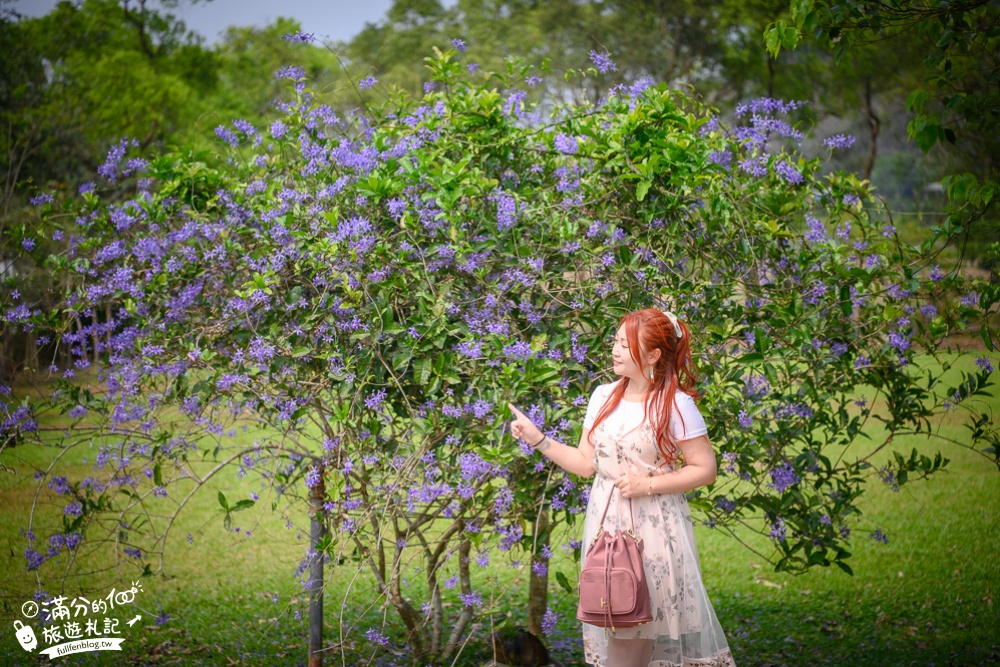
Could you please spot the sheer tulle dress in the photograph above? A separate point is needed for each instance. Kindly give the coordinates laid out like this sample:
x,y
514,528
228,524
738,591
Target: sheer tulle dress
x,y
685,630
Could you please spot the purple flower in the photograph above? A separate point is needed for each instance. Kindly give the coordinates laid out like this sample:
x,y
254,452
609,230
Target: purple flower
x,y
43,198
790,173
722,158
549,619
375,399
518,350
984,364
816,233
744,419
879,536
783,477
59,484
753,166
300,36
887,475
293,72
533,80
459,44
227,135
603,62
766,106
34,559
935,273
376,637
839,141
133,552
312,477
565,144
367,82
970,300
472,599
899,341
778,530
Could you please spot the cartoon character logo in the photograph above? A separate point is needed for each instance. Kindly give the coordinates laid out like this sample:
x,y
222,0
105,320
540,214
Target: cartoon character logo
x,y
25,635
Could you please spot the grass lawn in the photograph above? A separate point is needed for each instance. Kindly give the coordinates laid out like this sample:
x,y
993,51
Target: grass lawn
x,y
925,598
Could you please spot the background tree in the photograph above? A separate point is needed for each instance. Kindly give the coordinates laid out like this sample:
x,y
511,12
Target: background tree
x,y
952,105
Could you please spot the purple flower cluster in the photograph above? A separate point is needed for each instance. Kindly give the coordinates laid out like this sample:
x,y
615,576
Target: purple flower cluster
x,y
783,477
778,530
299,37
603,62
566,144
767,106
839,141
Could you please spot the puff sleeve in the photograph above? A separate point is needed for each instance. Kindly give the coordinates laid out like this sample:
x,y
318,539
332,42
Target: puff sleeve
x,y
686,421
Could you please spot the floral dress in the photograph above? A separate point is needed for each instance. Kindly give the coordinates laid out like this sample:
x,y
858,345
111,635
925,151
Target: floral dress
x,y
684,628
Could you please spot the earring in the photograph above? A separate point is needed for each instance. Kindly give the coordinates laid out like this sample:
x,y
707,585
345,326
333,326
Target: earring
x,y
650,373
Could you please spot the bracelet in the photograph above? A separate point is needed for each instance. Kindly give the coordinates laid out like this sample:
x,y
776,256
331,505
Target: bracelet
x,y
535,446
543,445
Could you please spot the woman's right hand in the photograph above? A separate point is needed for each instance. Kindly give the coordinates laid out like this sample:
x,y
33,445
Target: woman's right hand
x,y
523,428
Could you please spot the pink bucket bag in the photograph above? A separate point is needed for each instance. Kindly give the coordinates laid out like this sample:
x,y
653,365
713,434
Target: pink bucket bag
x,y
613,588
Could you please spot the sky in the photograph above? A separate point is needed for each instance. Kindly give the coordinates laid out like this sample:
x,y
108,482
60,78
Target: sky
x,y
336,19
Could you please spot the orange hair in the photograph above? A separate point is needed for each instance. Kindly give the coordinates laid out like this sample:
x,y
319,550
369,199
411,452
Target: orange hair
x,y
674,371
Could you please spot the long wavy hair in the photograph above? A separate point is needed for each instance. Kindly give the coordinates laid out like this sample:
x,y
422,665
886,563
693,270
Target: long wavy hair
x,y
649,329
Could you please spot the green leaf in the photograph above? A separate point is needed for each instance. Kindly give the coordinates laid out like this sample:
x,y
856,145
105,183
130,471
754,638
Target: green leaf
x,y
915,100
564,583
773,37
222,501
642,189
243,504
846,307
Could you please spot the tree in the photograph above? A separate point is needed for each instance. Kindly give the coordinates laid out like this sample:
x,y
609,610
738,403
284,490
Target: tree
x,y
955,101
370,289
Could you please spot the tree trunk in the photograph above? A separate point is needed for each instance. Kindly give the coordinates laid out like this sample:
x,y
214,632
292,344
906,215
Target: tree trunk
x,y
317,524
538,585
770,76
874,124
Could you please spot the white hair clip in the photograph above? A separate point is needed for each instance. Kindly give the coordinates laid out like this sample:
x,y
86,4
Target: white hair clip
x,y
673,320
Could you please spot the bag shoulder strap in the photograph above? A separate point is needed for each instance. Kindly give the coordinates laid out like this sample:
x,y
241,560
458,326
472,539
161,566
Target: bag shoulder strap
x,y
604,514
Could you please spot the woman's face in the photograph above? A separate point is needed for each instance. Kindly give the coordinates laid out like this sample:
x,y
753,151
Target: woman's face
x,y
621,357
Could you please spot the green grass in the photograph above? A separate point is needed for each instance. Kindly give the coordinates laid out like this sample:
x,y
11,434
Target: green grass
x,y
925,598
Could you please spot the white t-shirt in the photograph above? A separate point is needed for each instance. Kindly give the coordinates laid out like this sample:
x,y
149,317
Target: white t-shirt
x,y
631,413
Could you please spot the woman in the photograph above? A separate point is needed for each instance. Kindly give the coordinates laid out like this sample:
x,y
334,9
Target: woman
x,y
633,441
